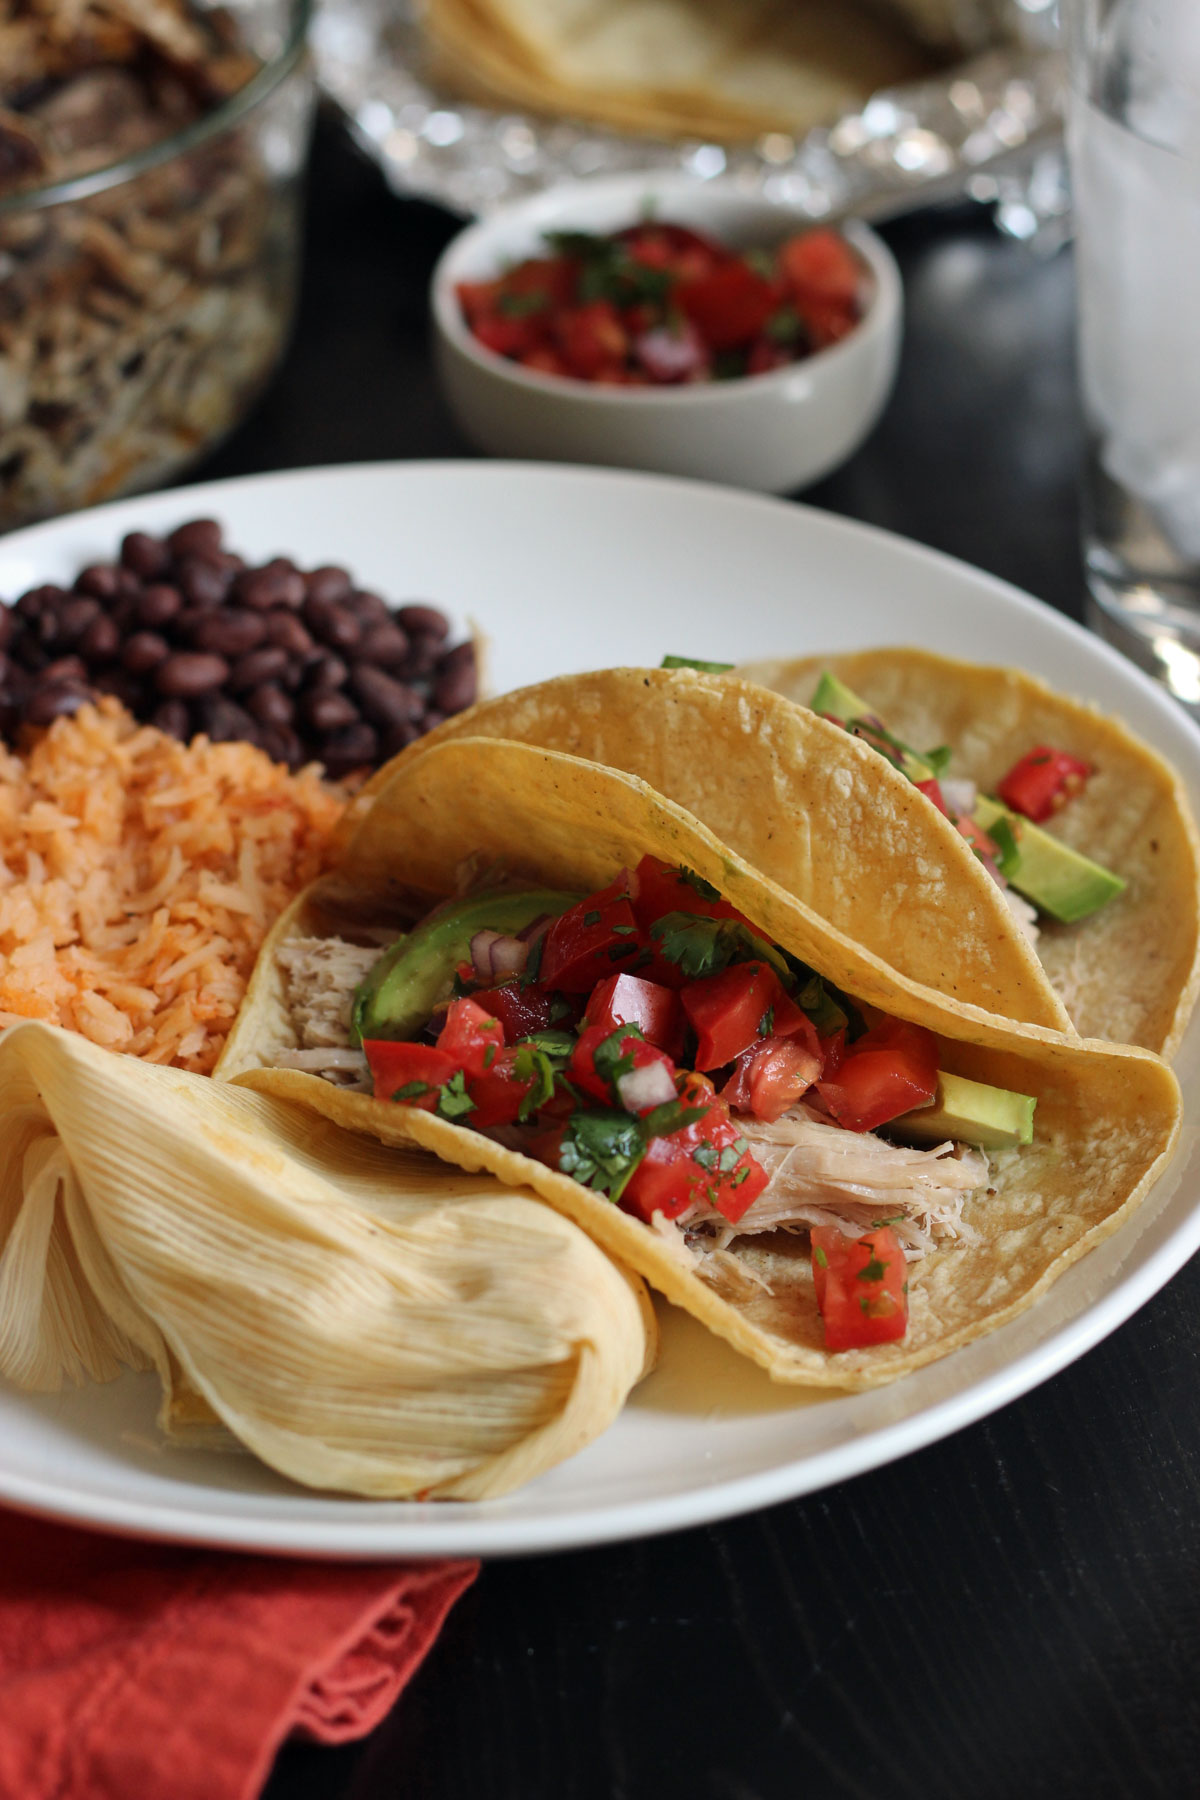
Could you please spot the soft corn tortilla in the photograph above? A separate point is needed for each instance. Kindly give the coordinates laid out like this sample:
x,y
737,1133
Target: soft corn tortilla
x,y
816,810
1132,971
725,69
363,1318
1107,1118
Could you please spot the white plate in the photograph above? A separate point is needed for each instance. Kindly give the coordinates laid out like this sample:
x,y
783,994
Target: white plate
x,y
569,569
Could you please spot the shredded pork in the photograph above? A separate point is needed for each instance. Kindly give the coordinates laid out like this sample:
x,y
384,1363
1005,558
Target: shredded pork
x,y
321,975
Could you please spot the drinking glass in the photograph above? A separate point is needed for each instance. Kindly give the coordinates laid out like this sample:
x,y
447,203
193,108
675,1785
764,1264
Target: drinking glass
x,y
1133,133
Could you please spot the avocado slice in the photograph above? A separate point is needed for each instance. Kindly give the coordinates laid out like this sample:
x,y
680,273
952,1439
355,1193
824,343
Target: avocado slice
x,y
409,979
834,698
971,1112
1058,880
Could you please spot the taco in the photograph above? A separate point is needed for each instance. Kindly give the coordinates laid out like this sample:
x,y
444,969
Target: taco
x,y
843,1173
812,808
360,1318
1078,814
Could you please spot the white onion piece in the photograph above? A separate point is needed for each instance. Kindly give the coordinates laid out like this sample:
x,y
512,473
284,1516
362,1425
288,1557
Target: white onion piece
x,y
959,793
669,355
640,1089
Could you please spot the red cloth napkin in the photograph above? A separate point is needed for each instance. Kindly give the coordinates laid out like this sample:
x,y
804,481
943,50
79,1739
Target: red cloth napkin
x,y
131,1669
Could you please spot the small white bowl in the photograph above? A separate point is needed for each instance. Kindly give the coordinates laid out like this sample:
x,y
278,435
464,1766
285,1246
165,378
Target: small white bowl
x,y
775,432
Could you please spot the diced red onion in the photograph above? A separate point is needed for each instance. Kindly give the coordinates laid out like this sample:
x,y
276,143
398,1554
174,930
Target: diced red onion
x,y
651,1085
959,793
495,956
669,355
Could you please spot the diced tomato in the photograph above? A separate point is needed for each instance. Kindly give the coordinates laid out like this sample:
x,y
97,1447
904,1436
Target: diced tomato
x,y
772,1075
976,836
471,1035
890,1069
396,1065
820,265
828,323
626,1044
508,336
589,940
708,1160
477,298
661,888
833,1048
1042,781
737,1008
686,253
628,1000
521,1010
498,1092
545,359
861,1287
728,306
591,338
932,790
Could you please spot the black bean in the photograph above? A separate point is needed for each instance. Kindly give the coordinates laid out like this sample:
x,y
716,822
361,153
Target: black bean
x,y
187,674
398,738
29,653
48,627
102,580
8,626
35,600
285,629
66,668
75,617
224,720
456,681
124,686
281,744
198,537
368,608
328,710
54,701
101,640
172,716
384,701
433,718
202,583
144,651
267,664
328,583
147,556
332,625
422,656
426,620
354,747
230,632
325,671
270,705
384,645
158,605
277,583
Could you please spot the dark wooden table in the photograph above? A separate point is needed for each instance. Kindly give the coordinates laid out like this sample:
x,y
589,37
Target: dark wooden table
x,y
1007,1614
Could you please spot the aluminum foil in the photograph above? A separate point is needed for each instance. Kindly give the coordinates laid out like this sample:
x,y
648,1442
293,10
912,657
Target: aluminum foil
x,y
975,128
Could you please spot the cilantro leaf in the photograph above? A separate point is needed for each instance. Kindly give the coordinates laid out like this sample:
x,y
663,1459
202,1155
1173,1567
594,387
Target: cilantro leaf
x,y
532,1064
1005,839
703,946
601,1149
611,1059
412,1090
671,1116
766,1024
697,883
454,1102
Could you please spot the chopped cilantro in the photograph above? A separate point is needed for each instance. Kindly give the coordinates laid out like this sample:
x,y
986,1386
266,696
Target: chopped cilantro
x,y
711,1195
695,662
532,1064
489,1055
738,1178
785,326
819,1257
617,952
875,1270
520,306
601,1149
939,760
671,1116
533,963
412,1090
702,946
625,930
729,1159
591,918
766,1024
454,1102
705,1155
1005,839
611,1059
558,1045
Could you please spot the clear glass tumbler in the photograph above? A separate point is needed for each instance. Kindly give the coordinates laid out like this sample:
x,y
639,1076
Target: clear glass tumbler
x,y
1134,142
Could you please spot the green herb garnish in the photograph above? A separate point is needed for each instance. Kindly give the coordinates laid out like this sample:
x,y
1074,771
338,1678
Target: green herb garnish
x,y
412,1090
694,662
453,1101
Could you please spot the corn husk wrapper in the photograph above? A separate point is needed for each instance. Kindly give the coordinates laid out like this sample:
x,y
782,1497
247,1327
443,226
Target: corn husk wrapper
x,y
1131,972
818,811
361,1318
1107,1119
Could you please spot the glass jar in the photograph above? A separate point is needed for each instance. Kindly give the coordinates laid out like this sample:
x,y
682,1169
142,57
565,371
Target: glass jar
x,y
145,304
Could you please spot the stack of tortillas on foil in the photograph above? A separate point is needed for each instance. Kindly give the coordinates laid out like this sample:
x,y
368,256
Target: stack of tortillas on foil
x,y
723,69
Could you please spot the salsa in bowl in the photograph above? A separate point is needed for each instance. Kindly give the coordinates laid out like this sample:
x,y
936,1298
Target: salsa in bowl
x,y
657,321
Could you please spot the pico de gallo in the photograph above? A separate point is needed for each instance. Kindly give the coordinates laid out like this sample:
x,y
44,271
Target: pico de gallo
x,y
648,1041
662,305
